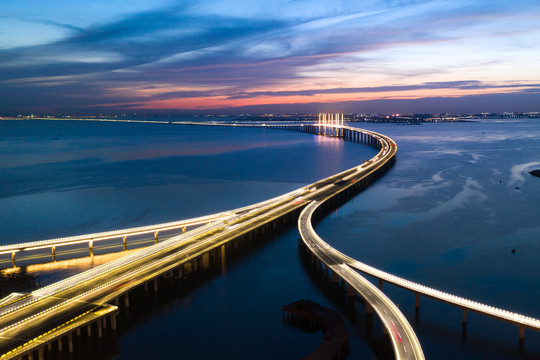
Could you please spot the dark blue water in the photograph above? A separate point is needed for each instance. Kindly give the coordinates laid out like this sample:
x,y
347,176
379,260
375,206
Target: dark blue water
x,y
447,215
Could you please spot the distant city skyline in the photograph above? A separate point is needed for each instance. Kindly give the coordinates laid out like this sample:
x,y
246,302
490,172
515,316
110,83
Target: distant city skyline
x,y
232,56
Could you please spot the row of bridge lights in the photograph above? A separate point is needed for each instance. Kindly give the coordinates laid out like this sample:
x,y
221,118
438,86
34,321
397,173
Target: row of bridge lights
x,y
331,119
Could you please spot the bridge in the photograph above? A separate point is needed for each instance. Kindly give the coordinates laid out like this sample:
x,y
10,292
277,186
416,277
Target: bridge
x,y
30,323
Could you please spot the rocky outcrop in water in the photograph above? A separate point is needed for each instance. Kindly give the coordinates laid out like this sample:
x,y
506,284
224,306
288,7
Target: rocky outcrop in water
x,y
535,173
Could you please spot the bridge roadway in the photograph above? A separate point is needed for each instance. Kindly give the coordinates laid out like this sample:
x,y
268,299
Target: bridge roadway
x,y
23,319
402,336
124,233
342,264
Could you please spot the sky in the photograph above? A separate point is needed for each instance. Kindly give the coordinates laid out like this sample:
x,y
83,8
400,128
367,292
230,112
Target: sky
x,y
254,56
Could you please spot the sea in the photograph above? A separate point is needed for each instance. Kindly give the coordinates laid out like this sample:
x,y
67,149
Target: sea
x,y
458,212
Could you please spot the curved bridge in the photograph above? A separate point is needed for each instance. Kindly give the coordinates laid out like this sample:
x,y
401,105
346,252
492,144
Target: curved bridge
x,y
31,322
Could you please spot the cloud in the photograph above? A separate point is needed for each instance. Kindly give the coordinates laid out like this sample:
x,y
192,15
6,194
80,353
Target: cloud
x,y
282,50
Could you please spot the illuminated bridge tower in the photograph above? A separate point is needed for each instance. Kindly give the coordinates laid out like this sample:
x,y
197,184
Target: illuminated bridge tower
x,y
331,124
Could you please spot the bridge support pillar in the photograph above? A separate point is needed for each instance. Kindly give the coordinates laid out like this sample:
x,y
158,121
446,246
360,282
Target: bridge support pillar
x,y
146,286
30,355
70,342
60,344
417,301
183,229
180,275
90,248
49,346
521,333
126,300
13,259
89,330
335,277
351,291
78,331
369,308
325,271
380,284
464,316
156,237
155,285
53,250
113,322
41,353
124,241
99,329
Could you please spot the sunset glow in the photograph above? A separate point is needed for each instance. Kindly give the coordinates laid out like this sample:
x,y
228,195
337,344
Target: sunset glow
x,y
372,56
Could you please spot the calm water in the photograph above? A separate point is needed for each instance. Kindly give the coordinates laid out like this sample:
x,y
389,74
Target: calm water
x,y
448,215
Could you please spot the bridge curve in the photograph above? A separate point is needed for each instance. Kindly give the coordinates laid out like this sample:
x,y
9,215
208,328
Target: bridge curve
x,y
23,316
29,319
404,340
317,245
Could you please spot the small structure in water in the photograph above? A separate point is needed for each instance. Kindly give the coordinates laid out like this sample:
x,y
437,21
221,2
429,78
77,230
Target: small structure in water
x,y
336,335
535,173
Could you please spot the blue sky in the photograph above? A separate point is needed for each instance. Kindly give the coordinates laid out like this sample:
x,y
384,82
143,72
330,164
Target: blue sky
x,y
269,56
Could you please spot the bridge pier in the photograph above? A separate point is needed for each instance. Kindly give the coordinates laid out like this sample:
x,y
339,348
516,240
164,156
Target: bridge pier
x,y
91,248
99,329
417,301
463,316
124,241
180,272
113,321
70,342
156,237
521,333
206,257
53,250
13,259
380,284
369,309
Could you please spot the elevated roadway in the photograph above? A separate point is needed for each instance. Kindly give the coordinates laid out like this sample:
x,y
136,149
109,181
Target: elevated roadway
x,y
404,340
24,318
